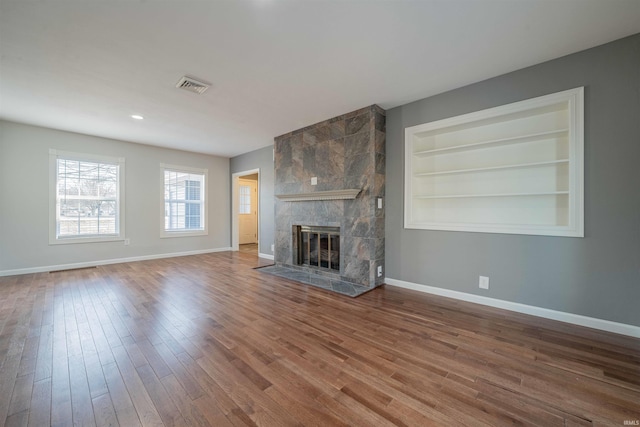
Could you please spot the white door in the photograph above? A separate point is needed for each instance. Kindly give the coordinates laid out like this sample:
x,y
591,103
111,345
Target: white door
x,y
248,199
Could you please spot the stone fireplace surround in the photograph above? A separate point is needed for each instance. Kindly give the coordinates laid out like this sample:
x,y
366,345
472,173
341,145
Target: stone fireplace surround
x,y
343,153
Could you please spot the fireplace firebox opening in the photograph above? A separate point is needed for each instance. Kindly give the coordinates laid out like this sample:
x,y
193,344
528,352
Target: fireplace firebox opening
x,y
318,247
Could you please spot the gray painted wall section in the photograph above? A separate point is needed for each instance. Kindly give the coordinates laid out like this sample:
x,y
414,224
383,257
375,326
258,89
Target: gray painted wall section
x,y
261,159
596,276
24,199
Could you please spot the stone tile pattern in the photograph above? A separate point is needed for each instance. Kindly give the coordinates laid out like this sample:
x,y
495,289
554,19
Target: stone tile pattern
x,y
319,281
343,153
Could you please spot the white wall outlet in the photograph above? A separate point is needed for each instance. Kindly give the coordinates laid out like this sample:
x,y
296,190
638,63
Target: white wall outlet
x,y
314,180
127,242
483,283
273,247
379,271
379,202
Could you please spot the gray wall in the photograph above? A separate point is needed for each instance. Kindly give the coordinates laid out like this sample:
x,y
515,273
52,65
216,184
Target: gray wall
x,y
260,159
596,276
24,199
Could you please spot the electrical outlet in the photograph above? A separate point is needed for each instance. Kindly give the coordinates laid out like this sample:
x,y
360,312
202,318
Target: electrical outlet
x,y
314,180
483,283
379,271
273,248
127,242
379,202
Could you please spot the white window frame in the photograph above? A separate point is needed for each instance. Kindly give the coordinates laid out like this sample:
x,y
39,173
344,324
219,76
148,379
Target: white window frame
x,y
205,202
54,155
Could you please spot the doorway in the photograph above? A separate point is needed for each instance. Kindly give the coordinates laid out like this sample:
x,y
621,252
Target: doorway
x,y
246,212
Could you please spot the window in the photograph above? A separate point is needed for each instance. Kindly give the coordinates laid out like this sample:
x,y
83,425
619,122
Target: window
x,y
86,195
245,199
184,201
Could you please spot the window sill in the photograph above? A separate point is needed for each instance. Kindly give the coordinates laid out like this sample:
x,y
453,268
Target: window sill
x,y
170,234
76,240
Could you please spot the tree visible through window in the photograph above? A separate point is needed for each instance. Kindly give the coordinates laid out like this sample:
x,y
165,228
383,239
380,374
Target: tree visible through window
x,y
184,201
86,198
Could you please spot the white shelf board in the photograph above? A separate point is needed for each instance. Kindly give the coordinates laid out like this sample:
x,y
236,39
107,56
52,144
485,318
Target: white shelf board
x,y
494,168
492,143
465,196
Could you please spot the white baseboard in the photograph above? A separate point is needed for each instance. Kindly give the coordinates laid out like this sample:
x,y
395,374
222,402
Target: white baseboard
x,y
576,319
265,256
106,262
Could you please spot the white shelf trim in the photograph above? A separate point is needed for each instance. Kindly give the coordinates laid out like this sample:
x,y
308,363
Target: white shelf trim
x,y
464,196
320,195
493,168
495,142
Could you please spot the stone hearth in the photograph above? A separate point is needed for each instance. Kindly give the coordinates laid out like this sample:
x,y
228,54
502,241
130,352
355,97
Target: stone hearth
x,y
346,152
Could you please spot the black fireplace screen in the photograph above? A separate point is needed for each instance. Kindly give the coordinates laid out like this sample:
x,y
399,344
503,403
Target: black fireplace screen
x,y
318,246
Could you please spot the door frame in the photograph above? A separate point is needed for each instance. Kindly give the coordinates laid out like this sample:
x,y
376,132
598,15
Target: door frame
x,y
235,207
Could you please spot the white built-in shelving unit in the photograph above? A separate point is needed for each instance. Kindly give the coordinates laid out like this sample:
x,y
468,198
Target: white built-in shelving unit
x,y
516,169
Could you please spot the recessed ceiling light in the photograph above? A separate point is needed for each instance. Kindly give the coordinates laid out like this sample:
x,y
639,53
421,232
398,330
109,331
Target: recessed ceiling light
x,y
137,117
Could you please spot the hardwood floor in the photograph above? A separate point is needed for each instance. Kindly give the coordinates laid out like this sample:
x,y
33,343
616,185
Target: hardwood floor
x,y
249,248
207,340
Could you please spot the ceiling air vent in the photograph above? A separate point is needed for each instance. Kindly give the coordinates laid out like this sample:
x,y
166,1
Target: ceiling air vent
x,y
192,85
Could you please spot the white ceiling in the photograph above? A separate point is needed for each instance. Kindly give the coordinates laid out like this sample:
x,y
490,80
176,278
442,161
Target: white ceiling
x,y
275,65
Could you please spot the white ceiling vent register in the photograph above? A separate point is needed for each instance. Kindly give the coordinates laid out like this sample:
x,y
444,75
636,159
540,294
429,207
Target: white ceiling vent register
x,y
193,85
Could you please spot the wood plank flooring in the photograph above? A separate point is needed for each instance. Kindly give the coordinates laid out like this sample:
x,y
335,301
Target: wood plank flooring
x,y
208,341
249,248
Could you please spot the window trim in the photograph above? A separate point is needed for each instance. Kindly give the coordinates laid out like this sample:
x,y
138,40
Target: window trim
x,y
164,234
53,181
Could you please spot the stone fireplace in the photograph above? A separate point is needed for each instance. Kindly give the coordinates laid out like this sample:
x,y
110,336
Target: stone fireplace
x,y
329,186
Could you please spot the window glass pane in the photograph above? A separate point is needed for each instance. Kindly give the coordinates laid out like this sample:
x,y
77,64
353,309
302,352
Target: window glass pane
x,y
184,201
86,198
245,199
69,227
192,190
108,209
108,173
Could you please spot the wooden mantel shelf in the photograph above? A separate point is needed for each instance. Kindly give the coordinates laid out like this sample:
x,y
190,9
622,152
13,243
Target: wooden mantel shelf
x,y
320,195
